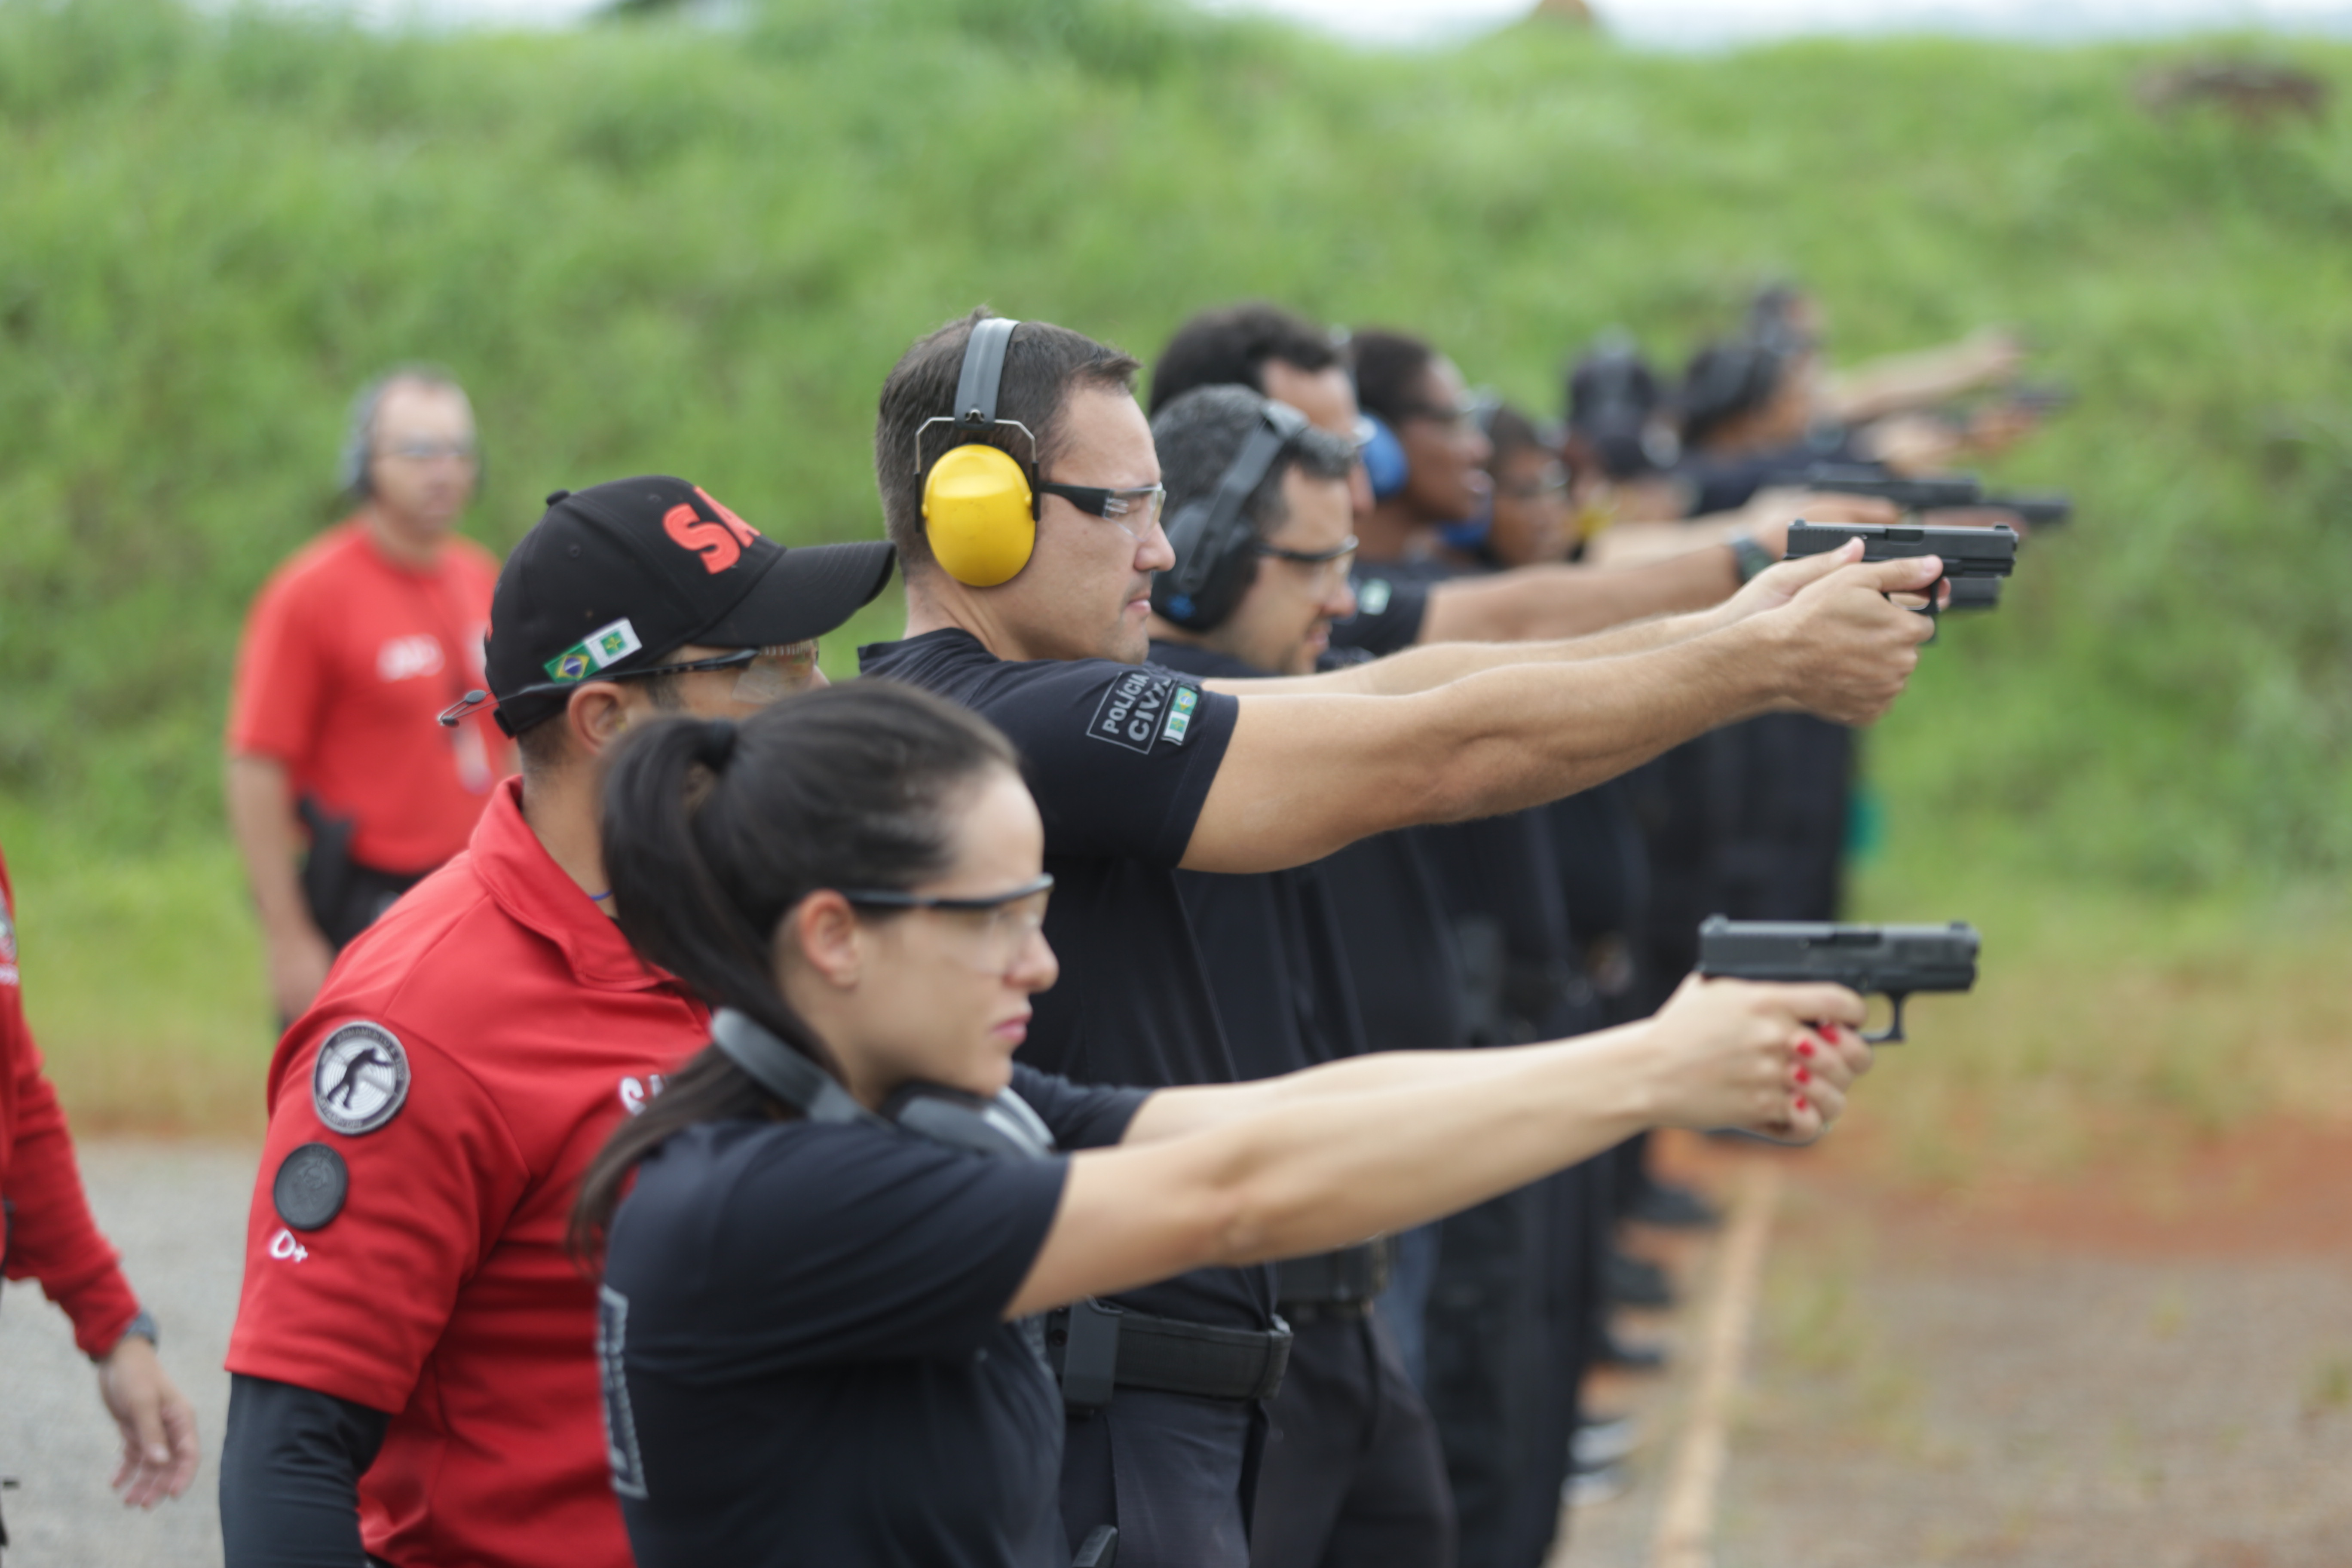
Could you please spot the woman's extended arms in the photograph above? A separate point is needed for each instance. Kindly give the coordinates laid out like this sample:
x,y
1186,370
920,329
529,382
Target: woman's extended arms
x,y
1277,1170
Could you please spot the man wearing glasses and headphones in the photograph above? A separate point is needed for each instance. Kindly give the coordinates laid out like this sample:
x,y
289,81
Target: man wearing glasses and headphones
x,y
413,1369
1020,483
350,649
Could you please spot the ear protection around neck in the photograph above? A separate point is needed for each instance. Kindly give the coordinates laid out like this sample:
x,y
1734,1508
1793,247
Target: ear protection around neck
x,y
1215,545
1004,1127
979,502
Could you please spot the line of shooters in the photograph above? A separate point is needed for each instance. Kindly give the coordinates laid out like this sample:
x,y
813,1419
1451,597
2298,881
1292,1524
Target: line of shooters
x,y
1010,1110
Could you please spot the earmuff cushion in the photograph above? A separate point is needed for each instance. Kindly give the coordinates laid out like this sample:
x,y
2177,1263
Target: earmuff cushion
x,y
980,515
980,506
1384,460
1208,607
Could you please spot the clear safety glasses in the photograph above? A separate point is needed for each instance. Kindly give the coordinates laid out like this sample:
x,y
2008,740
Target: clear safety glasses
x,y
1326,569
989,932
1134,509
768,673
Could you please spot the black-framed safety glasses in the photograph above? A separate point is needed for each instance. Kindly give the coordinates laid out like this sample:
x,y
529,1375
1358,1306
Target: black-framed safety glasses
x,y
1134,508
769,673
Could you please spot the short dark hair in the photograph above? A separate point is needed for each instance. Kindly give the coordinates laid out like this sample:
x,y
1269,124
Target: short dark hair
x,y
1512,432
1043,365
542,745
1229,347
1390,367
1726,379
1613,396
1199,433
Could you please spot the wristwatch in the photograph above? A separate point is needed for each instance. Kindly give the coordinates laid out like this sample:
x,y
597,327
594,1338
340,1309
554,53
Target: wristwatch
x,y
1750,556
142,1327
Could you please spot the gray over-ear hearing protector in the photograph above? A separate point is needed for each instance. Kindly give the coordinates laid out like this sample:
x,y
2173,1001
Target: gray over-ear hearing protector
x,y
1004,1127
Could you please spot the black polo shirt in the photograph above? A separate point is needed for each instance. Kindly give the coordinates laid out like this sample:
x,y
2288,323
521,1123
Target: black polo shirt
x,y
804,1354
1277,962
1392,602
1119,758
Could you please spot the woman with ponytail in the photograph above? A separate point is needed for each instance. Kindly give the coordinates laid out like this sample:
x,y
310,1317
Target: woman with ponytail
x,y
826,1243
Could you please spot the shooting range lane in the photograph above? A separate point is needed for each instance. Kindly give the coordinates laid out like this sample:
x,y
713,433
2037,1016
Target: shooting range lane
x,y
177,1212
2124,1366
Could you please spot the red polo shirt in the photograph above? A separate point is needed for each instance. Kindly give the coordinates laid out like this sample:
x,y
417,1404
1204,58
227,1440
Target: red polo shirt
x,y
48,1234
347,662
469,1054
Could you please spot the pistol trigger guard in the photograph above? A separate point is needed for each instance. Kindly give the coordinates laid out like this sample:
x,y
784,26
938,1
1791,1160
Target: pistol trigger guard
x,y
1893,1034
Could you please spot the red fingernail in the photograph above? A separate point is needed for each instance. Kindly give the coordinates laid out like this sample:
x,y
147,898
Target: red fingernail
x,y
1804,1048
1801,1102
1803,1076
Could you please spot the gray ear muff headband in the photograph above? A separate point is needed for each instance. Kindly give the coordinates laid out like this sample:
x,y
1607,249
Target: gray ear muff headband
x,y
784,1071
1004,1127
983,372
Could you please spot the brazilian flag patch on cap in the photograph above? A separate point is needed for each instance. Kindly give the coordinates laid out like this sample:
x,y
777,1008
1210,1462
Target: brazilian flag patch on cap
x,y
599,650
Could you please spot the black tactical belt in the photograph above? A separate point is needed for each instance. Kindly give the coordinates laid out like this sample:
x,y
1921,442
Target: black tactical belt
x,y
1095,1348
1349,1277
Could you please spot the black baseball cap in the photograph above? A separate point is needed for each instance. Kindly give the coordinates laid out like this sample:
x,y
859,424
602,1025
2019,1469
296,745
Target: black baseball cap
x,y
616,577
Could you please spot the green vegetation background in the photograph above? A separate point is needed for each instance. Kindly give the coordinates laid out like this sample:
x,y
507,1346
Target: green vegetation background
x,y
657,247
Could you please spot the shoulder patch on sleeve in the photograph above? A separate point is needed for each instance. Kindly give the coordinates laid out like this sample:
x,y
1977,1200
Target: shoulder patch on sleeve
x,y
1135,708
310,1186
360,1079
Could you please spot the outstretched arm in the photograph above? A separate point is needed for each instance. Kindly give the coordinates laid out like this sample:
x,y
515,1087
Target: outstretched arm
x,y
1564,600
1434,664
1329,1169
1307,774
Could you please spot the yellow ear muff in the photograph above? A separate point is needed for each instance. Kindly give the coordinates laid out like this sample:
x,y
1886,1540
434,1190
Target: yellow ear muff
x,y
979,515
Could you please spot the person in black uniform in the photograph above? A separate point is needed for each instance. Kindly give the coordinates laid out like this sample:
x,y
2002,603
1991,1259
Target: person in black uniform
x,y
1019,476
1261,517
1516,1294
1407,972
817,1327
1269,350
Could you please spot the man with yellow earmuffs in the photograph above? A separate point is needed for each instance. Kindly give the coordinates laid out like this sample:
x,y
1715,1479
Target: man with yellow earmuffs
x,y
1020,484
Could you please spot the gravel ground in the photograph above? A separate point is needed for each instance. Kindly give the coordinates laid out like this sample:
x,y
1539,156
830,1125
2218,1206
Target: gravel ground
x,y
177,1213
1916,1395
2026,1408
1924,1392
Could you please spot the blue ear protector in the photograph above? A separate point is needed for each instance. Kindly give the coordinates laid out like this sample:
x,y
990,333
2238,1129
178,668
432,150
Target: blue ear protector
x,y
1004,1127
1384,460
1469,535
1215,545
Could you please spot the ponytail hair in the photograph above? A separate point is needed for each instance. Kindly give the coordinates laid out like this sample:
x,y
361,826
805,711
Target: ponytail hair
x,y
714,830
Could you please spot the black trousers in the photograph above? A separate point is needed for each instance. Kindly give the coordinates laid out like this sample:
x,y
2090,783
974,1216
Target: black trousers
x,y
1354,1477
1172,1472
1510,1325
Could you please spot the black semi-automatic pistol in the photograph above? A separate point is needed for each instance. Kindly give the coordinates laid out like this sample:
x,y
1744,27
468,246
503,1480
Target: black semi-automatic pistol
x,y
2045,510
1891,961
1975,559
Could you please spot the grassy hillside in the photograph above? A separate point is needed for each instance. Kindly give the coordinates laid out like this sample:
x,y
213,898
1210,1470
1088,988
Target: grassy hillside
x,y
646,246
